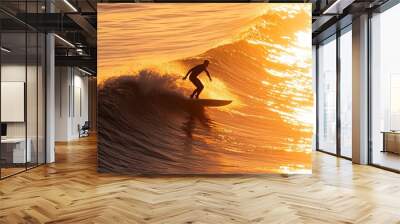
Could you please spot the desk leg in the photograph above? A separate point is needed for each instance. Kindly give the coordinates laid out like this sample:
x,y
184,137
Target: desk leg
x,y
384,142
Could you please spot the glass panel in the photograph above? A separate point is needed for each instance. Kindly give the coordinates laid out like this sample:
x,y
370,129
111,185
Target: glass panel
x,y
327,97
32,95
346,94
315,94
32,88
41,98
13,88
385,89
23,90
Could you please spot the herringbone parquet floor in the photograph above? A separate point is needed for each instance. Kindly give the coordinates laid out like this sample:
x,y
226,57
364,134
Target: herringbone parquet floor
x,y
71,191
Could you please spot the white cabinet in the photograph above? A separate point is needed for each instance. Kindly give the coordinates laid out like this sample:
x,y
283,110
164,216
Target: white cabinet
x,y
19,155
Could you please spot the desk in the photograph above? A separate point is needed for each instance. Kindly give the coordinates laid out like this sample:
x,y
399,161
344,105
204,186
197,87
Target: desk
x,y
13,150
391,141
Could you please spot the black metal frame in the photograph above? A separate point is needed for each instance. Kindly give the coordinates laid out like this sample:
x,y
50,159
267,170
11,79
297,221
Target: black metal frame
x,y
338,98
316,97
369,90
0,87
44,70
339,32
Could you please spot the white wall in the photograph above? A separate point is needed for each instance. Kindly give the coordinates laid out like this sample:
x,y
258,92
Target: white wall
x,y
71,102
33,127
62,81
12,73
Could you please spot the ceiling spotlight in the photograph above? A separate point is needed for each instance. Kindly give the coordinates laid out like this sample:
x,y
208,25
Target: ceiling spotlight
x,y
79,51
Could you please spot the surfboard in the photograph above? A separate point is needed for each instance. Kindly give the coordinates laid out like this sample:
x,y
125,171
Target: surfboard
x,y
210,102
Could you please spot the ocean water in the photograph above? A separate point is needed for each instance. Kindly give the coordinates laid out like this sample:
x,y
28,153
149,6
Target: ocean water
x,y
147,125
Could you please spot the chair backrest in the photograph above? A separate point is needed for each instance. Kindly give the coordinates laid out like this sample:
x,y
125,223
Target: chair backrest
x,y
86,125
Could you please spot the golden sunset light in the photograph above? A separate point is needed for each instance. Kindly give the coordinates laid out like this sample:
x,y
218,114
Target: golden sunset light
x,y
250,62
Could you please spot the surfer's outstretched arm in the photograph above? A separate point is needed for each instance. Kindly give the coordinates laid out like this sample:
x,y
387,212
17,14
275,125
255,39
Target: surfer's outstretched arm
x,y
188,73
208,74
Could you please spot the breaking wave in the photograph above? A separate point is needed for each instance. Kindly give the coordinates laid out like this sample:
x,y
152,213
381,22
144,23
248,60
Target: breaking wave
x,y
147,125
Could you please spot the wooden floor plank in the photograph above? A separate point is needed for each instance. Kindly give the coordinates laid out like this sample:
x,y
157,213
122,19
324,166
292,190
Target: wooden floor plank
x,y
71,191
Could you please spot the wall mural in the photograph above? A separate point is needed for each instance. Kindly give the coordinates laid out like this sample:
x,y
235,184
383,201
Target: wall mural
x,y
200,88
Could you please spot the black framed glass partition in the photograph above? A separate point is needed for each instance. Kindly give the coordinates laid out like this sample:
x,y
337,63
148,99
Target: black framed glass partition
x,y
334,94
13,90
22,78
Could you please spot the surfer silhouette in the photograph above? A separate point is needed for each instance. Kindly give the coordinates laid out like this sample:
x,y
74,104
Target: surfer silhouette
x,y
193,73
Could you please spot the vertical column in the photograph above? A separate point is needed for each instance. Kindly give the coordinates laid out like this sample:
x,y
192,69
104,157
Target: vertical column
x,y
360,90
50,92
315,94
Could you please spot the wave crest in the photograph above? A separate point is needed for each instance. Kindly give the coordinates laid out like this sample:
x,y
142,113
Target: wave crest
x,y
147,92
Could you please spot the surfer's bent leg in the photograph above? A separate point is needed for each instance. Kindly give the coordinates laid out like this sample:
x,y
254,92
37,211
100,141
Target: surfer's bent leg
x,y
200,88
194,92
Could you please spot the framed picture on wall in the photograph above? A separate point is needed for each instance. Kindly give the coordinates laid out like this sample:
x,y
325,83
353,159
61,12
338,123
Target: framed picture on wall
x,y
204,88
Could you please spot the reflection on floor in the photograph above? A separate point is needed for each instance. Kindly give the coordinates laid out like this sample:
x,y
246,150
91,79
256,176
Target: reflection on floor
x,y
72,191
10,170
387,159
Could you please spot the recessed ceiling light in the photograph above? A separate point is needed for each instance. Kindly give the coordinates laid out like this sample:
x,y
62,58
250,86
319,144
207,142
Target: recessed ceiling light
x,y
84,71
5,50
337,7
65,41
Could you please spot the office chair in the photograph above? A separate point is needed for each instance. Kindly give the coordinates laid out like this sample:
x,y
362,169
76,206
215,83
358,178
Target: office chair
x,y
84,130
